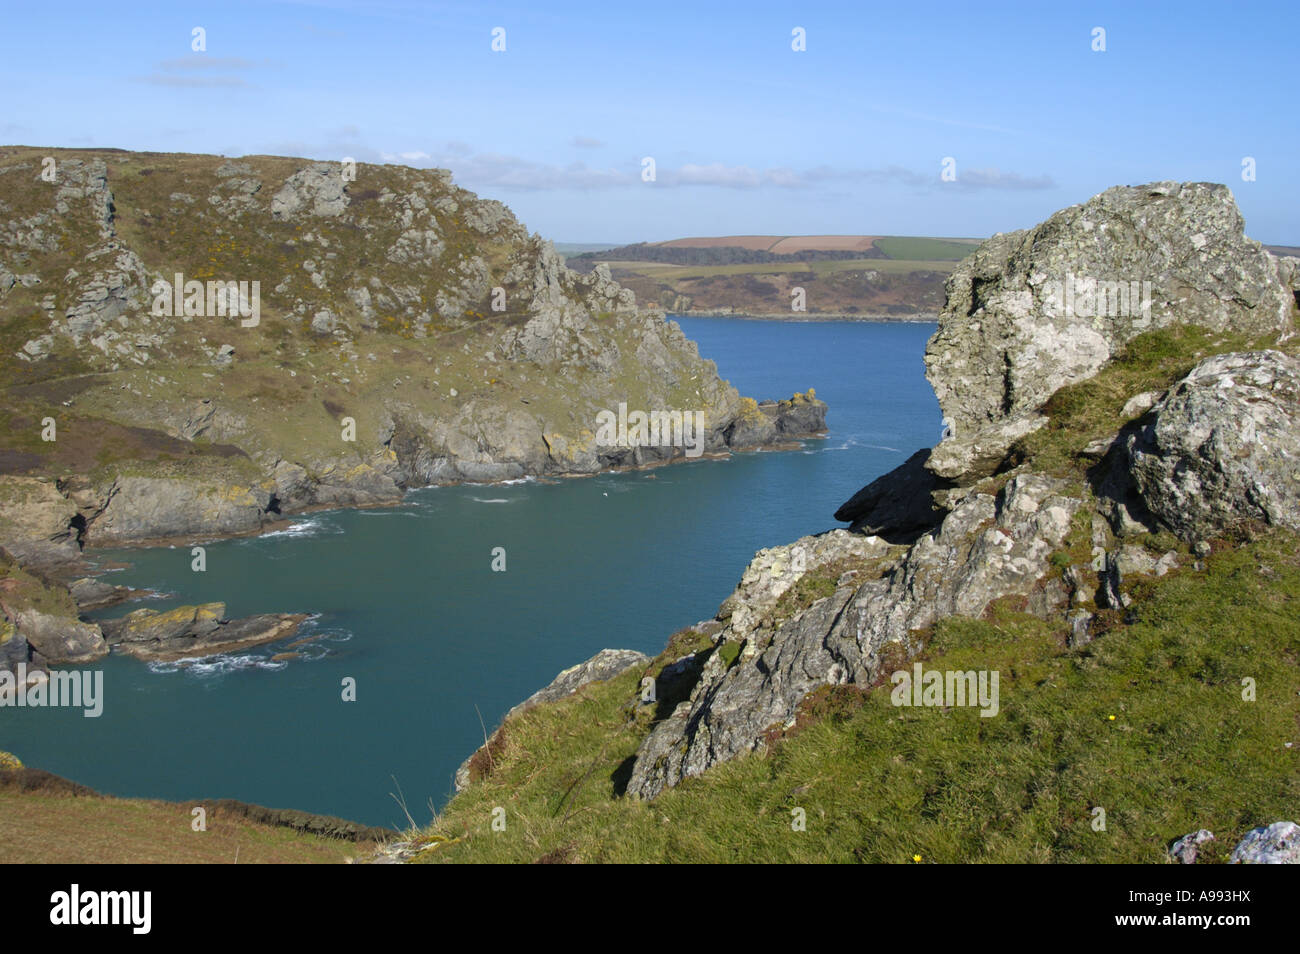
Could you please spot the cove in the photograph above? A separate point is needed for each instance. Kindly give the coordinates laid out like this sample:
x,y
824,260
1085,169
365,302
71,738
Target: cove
x,y
438,644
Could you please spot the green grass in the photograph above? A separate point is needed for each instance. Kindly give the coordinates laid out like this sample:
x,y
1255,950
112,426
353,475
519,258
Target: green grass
x,y
883,784
1080,413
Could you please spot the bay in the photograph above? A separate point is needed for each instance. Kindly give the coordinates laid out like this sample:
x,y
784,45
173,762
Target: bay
x,y
406,602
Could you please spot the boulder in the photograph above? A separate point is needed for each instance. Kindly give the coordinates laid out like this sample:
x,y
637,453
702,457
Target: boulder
x,y
1278,844
314,191
1032,311
1221,448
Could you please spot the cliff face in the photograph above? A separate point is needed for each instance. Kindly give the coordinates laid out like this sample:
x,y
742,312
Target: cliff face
x,y
382,328
1087,454
192,346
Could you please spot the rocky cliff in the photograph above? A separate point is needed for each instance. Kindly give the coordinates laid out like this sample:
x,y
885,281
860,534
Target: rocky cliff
x,y
1092,450
192,346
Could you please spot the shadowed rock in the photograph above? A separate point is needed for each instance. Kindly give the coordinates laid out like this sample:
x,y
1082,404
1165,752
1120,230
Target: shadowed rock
x,y
898,505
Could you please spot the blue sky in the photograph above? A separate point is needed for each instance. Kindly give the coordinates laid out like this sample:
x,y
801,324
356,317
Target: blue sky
x,y
748,136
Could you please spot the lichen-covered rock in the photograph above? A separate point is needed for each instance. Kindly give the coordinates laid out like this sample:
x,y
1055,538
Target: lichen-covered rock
x,y
1221,448
195,631
1184,851
1278,844
314,191
144,508
61,639
987,548
147,626
1035,310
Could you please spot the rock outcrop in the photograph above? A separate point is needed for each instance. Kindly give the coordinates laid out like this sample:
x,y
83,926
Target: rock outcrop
x,y
188,632
1221,448
1035,310
953,530
989,547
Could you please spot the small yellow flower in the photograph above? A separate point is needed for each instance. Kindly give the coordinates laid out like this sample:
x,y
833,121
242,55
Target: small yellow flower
x,y
1111,718
916,858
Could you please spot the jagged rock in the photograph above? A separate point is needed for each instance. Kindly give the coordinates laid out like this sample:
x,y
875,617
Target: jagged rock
x,y
61,639
91,593
1185,849
147,508
774,571
1278,844
316,190
193,631
1014,328
603,666
896,505
151,626
1221,448
984,549
36,521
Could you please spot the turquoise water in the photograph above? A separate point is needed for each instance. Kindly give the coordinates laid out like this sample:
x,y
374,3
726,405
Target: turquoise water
x,y
409,606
